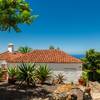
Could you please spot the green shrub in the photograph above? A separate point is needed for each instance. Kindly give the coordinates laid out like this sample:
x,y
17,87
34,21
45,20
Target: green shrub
x,y
85,77
43,73
27,73
98,71
13,74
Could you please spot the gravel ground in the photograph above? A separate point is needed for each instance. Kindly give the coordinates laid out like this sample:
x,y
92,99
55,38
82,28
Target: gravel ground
x,y
10,92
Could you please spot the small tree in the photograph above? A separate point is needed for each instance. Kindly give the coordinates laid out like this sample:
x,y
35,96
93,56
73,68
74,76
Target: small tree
x,y
92,62
13,13
51,47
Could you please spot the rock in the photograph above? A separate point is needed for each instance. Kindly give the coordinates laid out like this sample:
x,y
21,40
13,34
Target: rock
x,y
73,97
40,99
63,88
78,92
60,96
87,96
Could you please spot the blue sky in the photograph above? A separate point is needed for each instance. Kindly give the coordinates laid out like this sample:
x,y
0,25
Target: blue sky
x,y
72,25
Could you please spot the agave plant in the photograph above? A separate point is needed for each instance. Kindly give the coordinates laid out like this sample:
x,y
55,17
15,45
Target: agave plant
x,y
12,72
27,73
60,78
43,73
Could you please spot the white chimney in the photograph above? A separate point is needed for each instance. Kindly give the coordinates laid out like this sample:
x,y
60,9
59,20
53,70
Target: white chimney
x,y
11,47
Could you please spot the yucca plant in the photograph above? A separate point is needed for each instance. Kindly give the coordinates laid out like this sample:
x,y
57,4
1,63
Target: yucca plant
x,y
60,78
43,73
27,73
12,72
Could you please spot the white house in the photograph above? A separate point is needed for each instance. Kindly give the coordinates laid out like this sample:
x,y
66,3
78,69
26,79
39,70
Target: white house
x,y
58,61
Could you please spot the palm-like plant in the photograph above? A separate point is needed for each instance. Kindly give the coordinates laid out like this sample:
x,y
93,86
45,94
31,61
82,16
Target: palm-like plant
x,y
14,12
60,78
24,49
12,72
51,47
27,73
43,73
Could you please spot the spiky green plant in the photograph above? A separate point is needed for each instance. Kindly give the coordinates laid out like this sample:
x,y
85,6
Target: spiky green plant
x,y
43,73
13,13
13,74
60,78
27,73
12,71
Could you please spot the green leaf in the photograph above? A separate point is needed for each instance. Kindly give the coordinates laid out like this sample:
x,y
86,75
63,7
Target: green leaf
x,y
13,13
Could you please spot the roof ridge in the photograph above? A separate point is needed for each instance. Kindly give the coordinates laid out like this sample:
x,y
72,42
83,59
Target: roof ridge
x,y
56,56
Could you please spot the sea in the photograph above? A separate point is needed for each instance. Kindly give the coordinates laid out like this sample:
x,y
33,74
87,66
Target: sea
x,y
79,56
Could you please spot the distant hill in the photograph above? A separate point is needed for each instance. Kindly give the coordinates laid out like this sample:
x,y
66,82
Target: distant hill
x,y
79,56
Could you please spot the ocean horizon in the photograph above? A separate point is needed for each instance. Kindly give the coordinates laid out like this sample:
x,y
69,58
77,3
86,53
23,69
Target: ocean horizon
x,y
79,56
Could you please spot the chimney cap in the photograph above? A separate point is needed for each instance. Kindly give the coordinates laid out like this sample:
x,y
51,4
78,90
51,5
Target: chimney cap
x,y
10,44
11,47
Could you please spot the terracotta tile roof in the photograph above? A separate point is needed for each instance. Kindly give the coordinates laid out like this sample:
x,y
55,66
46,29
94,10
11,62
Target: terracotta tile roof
x,y
9,56
42,56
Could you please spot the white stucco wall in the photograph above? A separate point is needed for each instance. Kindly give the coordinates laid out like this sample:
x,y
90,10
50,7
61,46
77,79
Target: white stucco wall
x,y
2,62
71,71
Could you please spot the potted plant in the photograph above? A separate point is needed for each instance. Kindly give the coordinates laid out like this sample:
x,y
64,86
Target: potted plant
x,y
84,78
81,81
